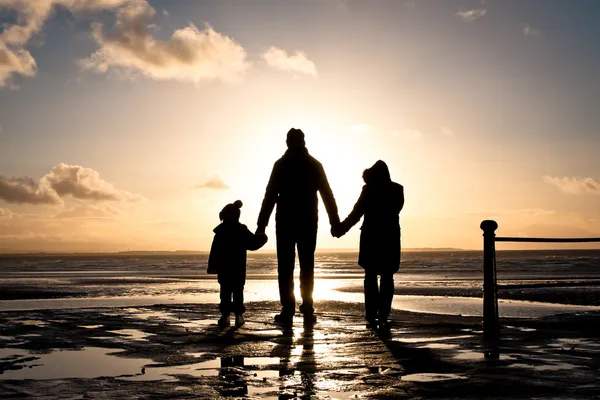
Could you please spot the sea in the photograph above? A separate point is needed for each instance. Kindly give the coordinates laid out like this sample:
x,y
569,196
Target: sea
x,y
429,281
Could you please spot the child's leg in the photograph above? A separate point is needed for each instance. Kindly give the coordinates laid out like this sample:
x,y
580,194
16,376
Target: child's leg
x,y
238,300
225,305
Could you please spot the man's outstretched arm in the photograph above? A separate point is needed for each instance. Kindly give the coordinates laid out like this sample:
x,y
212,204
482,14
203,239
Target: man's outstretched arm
x,y
269,201
327,197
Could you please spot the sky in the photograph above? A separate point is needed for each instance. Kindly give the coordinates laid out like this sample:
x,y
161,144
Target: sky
x,y
129,124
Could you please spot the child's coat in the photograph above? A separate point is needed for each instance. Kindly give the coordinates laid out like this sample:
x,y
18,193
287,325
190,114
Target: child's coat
x,y
228,252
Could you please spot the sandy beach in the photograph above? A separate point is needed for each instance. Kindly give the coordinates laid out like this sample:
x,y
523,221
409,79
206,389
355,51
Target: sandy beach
x,y
177,351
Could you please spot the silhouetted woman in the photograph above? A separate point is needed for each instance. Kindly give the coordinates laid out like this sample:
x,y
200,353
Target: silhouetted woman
x,y
380,202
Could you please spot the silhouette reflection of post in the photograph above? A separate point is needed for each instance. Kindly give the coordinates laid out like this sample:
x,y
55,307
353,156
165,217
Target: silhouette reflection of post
x,y
491,325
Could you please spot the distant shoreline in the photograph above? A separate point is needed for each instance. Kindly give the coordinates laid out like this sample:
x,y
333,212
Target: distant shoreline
x,y
199,253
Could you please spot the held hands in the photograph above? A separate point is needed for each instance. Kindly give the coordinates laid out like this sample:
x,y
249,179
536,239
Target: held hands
x,y
337,230
263,236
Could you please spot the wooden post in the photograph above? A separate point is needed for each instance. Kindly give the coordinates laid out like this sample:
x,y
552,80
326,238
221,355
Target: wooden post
x,y
491,324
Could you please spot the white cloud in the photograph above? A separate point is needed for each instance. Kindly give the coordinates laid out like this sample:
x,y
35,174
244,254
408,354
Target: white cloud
x,y
447,131
62,181
297,62
82,183
471,15
575,185
529,31
15,59
190,54
214,183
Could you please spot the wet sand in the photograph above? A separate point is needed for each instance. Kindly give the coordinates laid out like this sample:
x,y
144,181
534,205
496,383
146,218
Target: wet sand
x,y
177,351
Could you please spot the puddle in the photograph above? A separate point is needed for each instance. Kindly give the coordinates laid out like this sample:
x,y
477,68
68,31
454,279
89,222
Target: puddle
x,y
31,322
198,323
9,353
91,362
441,346
141,314
431,339
6,337
429,377
91,326
134,334
261,360
167,374
547,366
266,374
339,395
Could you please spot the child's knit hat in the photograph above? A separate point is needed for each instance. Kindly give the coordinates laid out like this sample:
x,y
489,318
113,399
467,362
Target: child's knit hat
x,y
231,212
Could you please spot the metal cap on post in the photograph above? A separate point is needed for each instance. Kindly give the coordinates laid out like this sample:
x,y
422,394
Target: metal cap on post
x,y
491,325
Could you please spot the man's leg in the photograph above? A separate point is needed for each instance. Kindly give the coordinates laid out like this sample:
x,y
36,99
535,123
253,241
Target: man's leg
x,y
306,256
286,254
371,297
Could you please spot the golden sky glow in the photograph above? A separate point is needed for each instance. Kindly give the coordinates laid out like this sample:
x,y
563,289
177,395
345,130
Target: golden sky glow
x,y
132,126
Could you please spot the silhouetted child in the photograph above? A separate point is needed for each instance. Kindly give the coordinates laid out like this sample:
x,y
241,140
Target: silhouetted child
x,y
227,259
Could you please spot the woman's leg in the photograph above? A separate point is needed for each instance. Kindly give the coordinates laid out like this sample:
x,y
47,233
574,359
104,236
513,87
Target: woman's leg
x,y
386,296
371,296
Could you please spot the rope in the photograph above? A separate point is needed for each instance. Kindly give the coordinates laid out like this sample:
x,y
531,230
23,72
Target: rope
x,y
546,240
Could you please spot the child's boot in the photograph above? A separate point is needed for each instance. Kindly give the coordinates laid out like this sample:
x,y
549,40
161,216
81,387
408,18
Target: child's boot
x,y
224,321
239,320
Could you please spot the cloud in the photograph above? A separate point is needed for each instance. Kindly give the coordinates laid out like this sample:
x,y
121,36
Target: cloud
x,y
447,131
62,181
15,59
82,183
214,183
575,185
471,15
191,54
5,213
529,31
26,190
298,62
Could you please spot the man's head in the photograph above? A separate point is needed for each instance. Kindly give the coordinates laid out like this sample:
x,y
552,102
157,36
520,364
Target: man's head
x,y
295,139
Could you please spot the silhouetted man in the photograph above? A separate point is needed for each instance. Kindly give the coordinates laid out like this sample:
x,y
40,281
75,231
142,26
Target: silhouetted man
x,y
293,186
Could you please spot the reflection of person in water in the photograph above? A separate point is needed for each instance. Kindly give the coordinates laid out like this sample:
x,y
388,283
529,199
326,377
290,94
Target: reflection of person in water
x,y
380,203
234,380
306,363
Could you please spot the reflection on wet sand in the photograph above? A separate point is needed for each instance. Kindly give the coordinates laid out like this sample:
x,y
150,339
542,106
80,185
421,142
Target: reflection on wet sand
x,y
178,350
